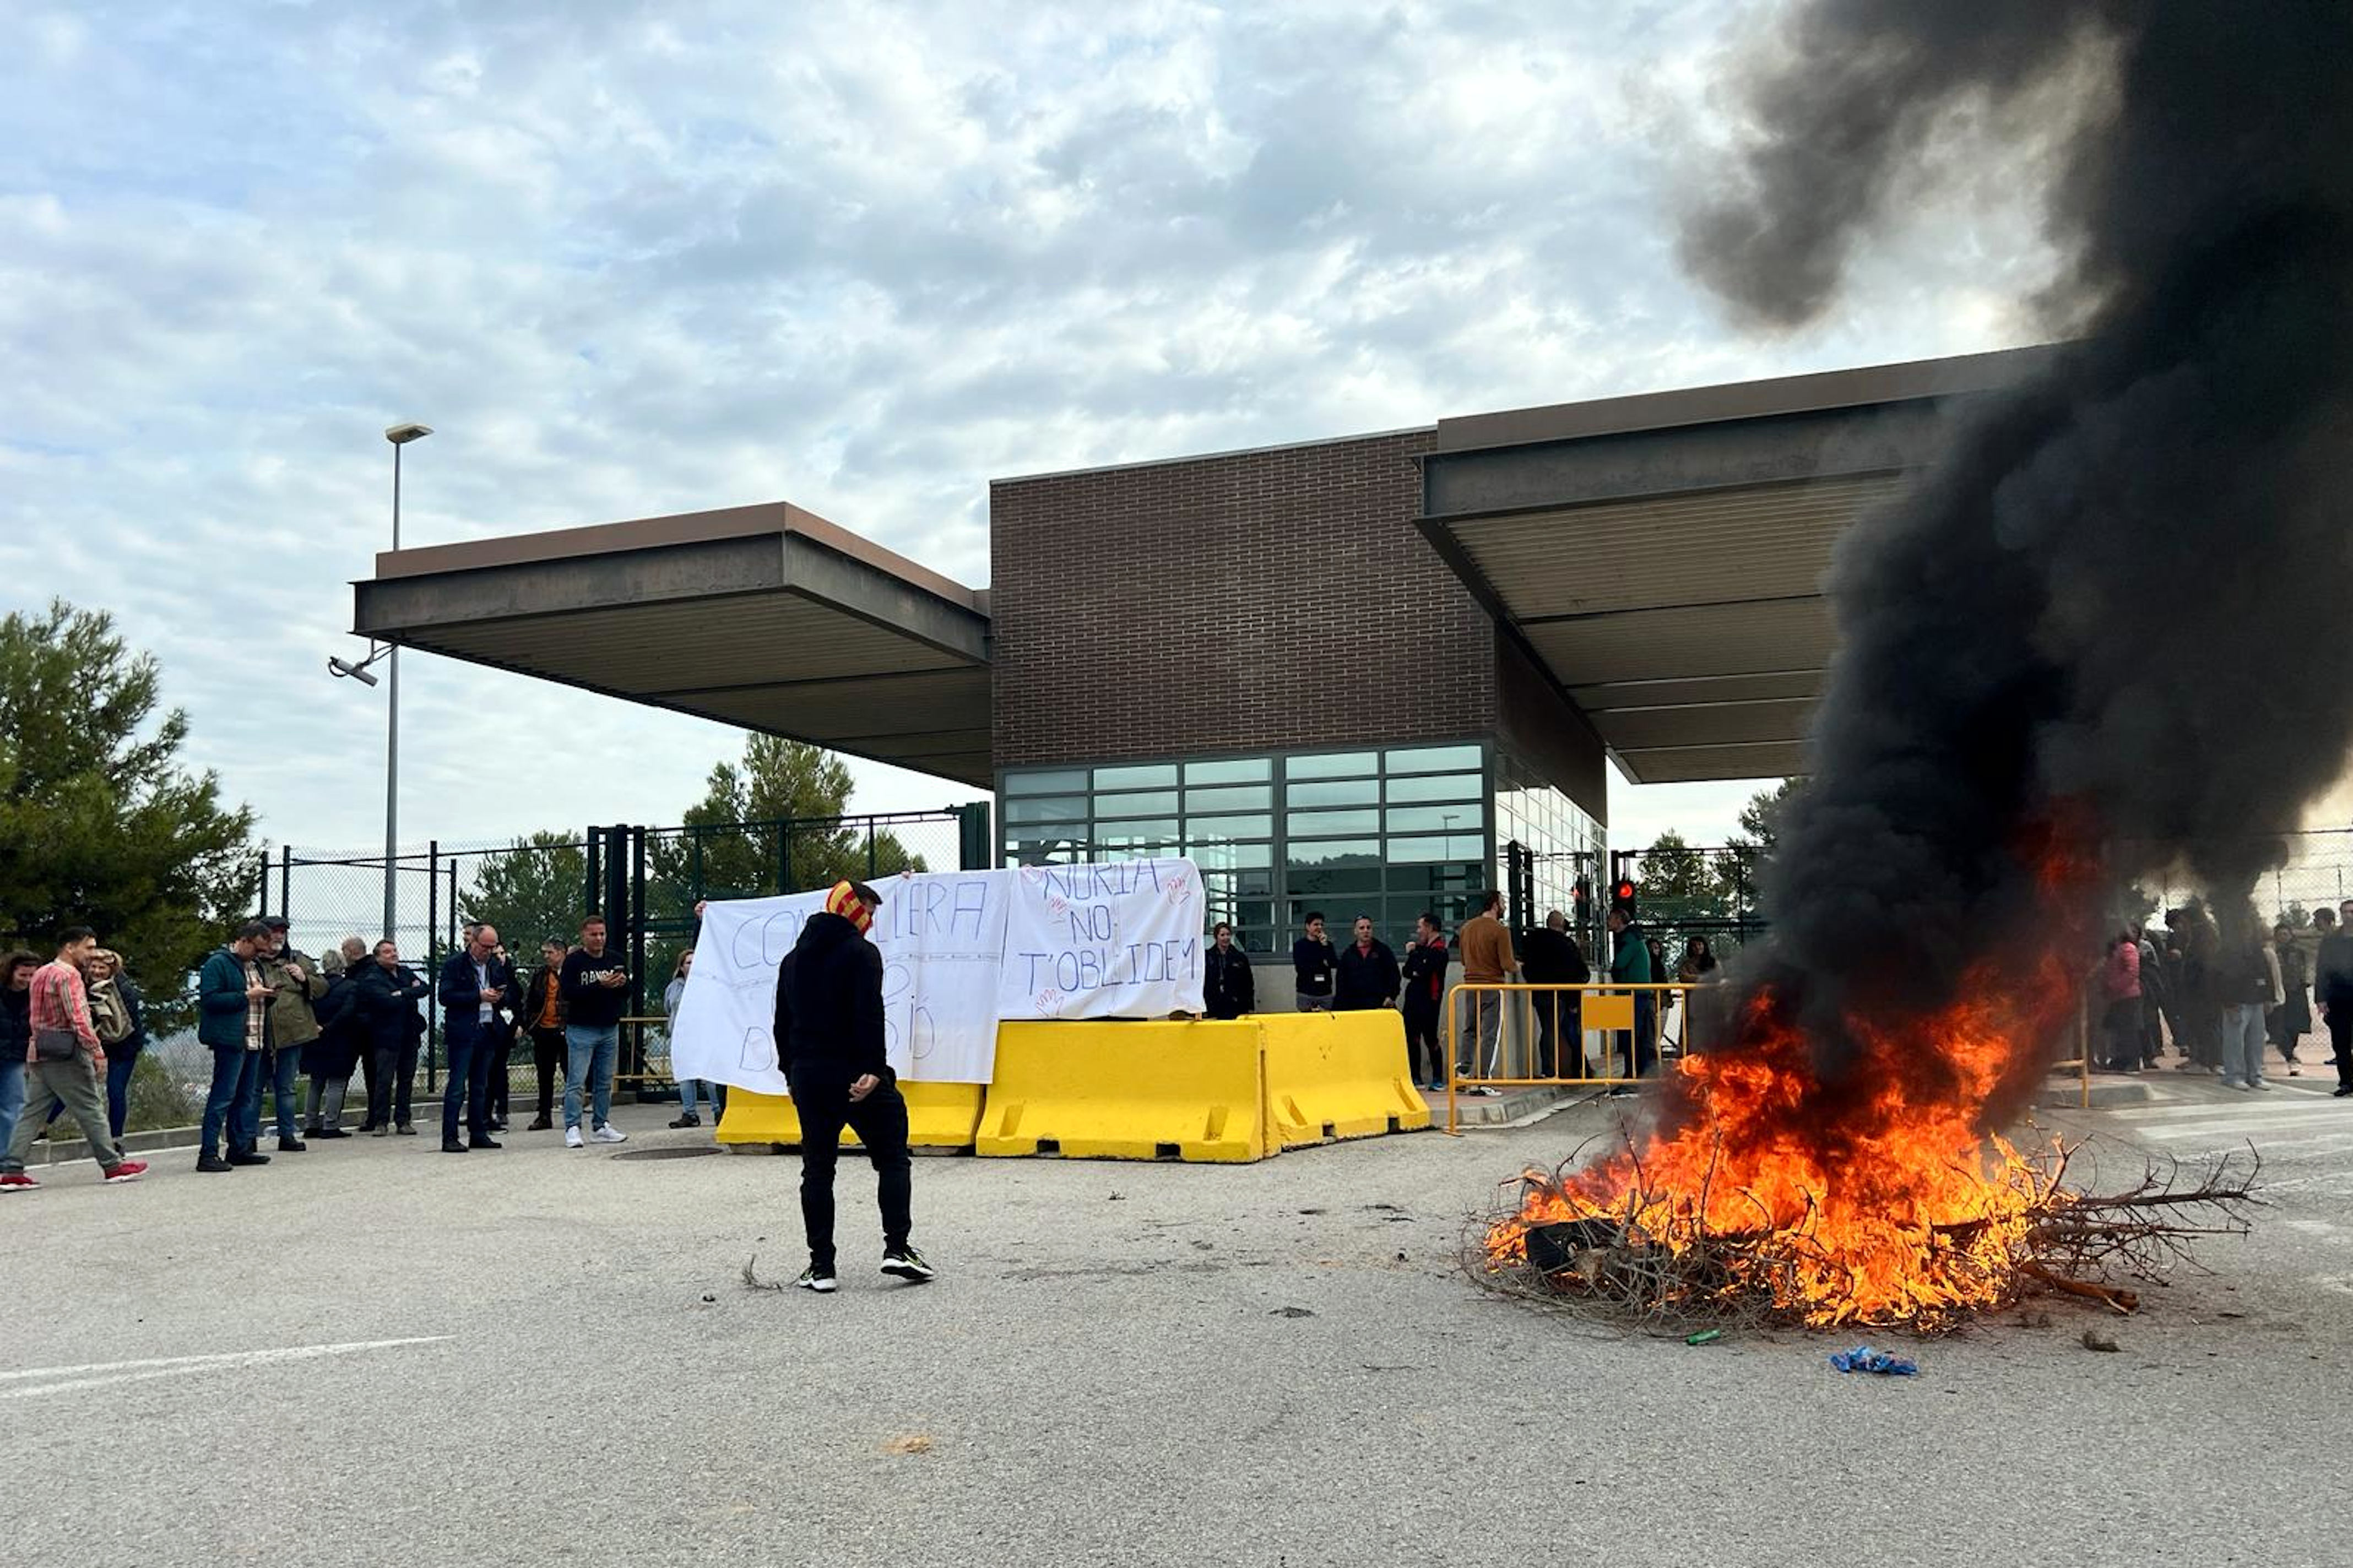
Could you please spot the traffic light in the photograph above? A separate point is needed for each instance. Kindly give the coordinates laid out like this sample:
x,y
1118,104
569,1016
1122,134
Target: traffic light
x,y
1621,898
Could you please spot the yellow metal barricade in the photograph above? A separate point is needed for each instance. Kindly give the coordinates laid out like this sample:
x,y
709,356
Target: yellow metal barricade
x,y
1601,1007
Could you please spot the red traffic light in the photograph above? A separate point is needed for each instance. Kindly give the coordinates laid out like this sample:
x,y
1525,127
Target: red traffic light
x,y
1625,893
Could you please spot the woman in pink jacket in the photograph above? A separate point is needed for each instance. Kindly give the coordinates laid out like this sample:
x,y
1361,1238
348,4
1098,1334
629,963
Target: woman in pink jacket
x,y
2120,983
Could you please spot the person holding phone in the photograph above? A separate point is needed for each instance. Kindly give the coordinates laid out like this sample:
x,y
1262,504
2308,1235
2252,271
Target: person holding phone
x,y
595,989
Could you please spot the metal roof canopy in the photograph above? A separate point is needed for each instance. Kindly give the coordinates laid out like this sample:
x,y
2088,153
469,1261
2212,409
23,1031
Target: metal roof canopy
x,y
764,616
1663,555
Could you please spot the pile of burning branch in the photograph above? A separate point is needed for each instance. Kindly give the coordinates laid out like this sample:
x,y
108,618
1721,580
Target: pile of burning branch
x,y
1601,1238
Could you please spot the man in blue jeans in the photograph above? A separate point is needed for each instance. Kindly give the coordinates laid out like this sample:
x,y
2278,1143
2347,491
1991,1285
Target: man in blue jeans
x,y
232,1018
595,989
474,981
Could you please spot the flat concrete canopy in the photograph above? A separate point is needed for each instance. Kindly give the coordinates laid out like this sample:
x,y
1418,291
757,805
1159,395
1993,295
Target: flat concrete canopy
x,y
764,616
1663,555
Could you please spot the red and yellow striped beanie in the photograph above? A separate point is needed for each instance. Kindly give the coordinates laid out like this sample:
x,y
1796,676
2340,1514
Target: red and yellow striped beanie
x,y
844,901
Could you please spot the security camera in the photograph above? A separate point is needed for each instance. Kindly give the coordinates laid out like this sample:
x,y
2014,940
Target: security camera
x,y
359,672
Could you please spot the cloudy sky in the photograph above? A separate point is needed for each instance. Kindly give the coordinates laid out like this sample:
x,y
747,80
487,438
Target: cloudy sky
x,y
640,258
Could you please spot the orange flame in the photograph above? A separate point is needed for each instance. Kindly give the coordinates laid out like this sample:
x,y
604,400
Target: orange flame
x,y
1881,1195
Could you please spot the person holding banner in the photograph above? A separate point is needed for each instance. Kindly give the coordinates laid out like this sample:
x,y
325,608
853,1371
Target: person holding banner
x,y
830,1045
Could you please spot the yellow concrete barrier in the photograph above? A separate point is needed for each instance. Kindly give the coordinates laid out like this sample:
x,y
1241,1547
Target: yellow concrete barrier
x,y
1337,1075
1127,1091
939,1115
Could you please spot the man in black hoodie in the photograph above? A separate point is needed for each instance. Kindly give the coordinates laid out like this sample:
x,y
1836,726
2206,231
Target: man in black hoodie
x,y
830,1043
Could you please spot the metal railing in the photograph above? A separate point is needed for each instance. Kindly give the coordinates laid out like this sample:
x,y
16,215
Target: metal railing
x,y
1600,1007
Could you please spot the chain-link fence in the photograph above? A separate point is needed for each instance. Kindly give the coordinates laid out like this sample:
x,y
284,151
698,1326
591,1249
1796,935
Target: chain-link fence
x,y
644,881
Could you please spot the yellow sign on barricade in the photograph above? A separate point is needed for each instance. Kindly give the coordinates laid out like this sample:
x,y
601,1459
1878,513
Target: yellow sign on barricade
x,y
1127,1091
1337,1075
939,1115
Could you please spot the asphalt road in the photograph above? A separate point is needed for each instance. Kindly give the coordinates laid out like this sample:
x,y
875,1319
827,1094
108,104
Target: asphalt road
x,y
541,1355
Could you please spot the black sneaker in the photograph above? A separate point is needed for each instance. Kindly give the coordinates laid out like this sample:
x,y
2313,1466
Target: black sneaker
x,y
688,1122
293,1145
213,1162
405,1129
484,1141
820,1281
908,1264
2341,1093
248,1158
452,1146
331,1132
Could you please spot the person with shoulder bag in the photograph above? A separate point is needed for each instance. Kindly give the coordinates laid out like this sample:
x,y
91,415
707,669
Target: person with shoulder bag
x,y
63,1062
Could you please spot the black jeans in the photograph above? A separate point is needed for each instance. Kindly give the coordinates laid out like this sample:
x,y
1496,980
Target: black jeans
x,y
2340,1037
467,1090
548,1056
1424,1053
395,1069
821,1096
1560,1015
1646,1035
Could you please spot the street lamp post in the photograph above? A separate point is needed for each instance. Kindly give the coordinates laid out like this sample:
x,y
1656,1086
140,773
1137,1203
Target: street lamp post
x,y
399,435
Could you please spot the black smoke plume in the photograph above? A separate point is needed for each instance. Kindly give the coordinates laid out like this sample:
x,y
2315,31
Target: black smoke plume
x,y
2123,598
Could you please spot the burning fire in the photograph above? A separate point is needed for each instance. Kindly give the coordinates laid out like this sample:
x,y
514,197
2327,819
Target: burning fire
x,y
1877,1198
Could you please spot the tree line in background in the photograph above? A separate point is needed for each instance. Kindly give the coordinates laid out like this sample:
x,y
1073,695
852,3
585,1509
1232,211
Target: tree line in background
x,y
1680,882
102,824
765,824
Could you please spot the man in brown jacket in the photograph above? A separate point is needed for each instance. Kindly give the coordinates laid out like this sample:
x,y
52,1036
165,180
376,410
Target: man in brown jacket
x,y
291,1025
1485,949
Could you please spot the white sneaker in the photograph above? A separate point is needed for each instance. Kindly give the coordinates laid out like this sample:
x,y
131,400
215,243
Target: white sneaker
x,y
571,1139
2261,1083
610,1134
2234,1083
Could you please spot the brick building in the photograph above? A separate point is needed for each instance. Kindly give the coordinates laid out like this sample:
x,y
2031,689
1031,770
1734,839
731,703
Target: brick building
x,y
1370,675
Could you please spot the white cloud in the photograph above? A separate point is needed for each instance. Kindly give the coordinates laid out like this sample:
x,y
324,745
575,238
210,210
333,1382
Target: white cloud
x,y
627,262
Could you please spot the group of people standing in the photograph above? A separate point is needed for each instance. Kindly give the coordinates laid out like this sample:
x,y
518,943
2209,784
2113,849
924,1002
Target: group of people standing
x,y
2221,1002
1366,974
70,1032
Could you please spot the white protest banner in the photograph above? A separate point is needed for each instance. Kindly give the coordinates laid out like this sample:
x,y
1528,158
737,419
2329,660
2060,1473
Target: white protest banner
x,y
961,949
1118,941
941,938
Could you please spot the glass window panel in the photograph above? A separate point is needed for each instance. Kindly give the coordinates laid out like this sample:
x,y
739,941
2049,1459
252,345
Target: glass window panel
x,y
1147,775
1141,802
1233,797
1432,759
1348,791
1036,856
1434,819
1073,833
1233,856
1046,781
1313,823
1337,881
1161,828
1230,770
1331,765
1047,808
1438,786
1208,829
1439,846
1332,853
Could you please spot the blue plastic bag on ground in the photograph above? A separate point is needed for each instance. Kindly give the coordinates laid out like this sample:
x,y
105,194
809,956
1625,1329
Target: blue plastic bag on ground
x,y
1863,1358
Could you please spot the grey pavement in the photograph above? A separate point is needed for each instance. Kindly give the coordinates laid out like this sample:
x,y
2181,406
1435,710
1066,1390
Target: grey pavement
x,y
1275,1363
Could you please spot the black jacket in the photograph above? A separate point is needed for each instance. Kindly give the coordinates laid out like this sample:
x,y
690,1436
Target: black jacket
x,y
1312,964
2332,970
1549,957
461,993
829,1002
1425,977
15,1024
335,1052
1368,977
388,1004
1227,989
